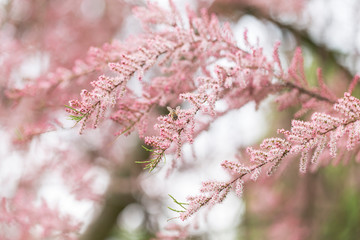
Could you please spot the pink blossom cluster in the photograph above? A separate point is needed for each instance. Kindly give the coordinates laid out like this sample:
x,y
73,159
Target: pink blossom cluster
x,y
309,98
23,218
27,213
325,129
177,129
273,150
132,113
230,85
57,36
176,62
307,138
107,90
180,53
212,193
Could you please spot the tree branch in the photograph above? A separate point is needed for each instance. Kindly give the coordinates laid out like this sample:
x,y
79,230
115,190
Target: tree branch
x,y
120,193
237,9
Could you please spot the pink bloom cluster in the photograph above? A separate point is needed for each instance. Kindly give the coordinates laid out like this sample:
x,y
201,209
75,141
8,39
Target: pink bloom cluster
x,y
325,129
181,53
307,138
22,218
212,193
107,90
177,128
132,113
176,62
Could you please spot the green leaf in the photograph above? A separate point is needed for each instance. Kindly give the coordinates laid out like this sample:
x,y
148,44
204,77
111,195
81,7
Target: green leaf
x,y
178,203
19,134
147,149
174,210
76,118
146,161
72,108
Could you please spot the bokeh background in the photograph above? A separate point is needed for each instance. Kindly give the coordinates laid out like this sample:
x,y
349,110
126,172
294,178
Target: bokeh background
x,y
39,36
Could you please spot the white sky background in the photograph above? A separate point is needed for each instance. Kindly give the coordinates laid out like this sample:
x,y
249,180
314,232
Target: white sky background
x,y
238,128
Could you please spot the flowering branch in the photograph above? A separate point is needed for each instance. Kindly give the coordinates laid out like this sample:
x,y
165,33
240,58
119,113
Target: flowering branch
x,y
192,62
301,139
108,89
249,77
239,9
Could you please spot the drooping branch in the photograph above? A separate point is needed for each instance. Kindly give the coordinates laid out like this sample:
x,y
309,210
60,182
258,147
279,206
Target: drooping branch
x,y
235,10
304,138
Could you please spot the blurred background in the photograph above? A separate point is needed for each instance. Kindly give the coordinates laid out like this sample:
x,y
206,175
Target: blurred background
x,y
93,178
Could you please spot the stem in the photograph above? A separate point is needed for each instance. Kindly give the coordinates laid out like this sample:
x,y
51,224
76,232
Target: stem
x,y
228,185
236,10
308,92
